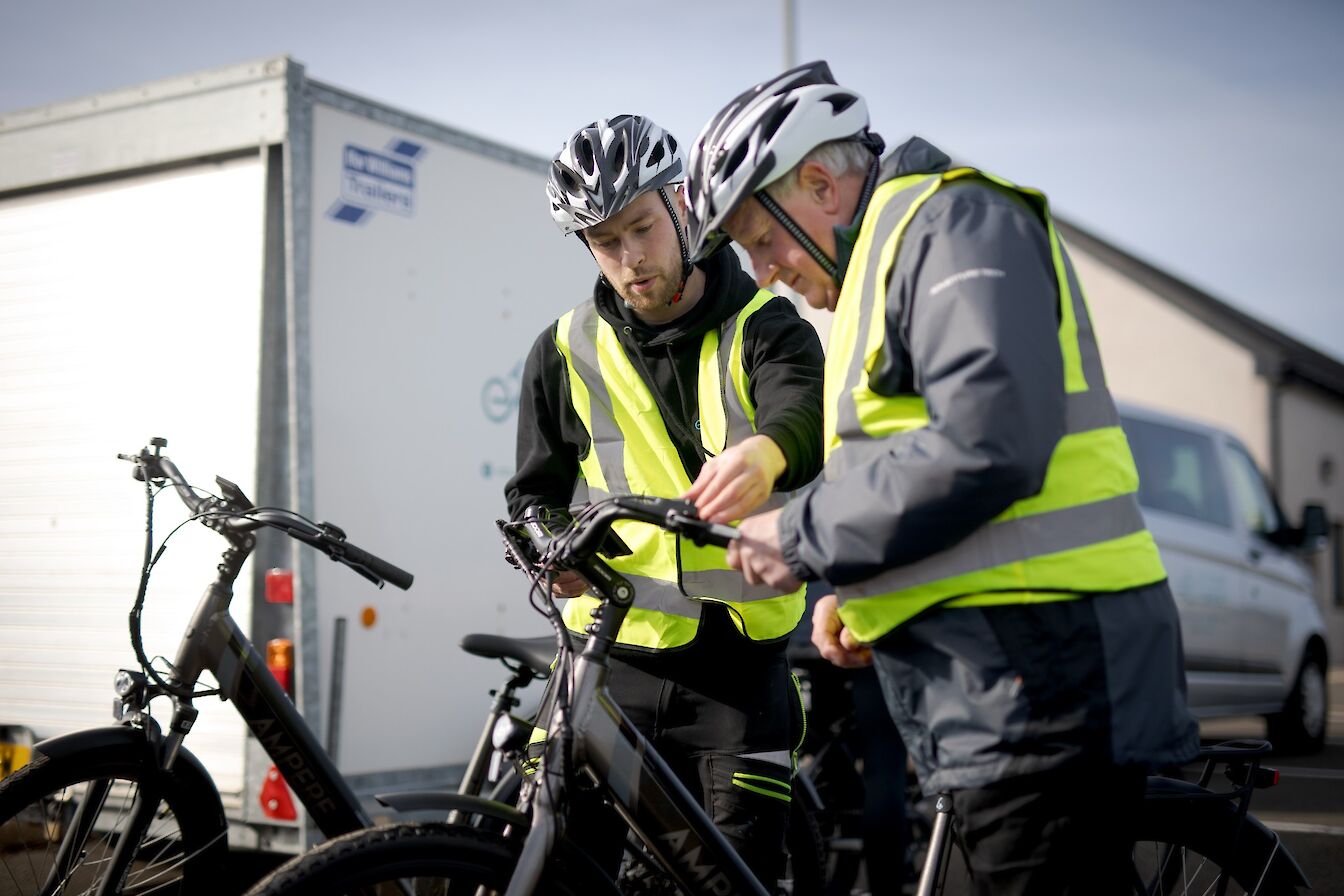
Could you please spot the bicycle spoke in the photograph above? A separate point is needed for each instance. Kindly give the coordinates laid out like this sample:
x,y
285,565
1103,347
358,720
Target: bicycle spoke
x,y
65,842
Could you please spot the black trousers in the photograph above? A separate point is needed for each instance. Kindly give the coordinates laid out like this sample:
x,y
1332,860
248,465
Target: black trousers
x,y
724,714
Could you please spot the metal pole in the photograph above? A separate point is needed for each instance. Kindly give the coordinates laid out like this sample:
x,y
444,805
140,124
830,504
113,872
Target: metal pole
x,y
337,688
790,35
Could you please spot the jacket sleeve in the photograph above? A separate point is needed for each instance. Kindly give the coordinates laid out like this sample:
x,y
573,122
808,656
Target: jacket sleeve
x,y
785,364
550,435
971,321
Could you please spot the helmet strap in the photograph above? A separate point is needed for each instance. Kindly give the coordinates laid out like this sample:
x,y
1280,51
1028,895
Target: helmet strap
x,y
825,262
820,257
686,266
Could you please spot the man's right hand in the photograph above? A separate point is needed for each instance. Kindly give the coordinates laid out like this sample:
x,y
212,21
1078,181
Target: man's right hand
x,y
568,583
833,640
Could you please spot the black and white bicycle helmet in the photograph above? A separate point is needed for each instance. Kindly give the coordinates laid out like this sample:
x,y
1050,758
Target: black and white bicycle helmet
x,y
759,137
608,165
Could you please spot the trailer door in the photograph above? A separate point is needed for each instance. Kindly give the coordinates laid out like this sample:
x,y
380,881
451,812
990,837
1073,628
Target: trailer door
x,y
129,308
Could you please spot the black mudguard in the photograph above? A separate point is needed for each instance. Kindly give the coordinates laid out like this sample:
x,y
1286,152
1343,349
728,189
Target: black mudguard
x,y
446,801
92,747
1253,832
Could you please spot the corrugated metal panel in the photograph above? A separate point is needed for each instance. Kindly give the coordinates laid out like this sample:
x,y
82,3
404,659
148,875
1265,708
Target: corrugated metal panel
x,y
125,312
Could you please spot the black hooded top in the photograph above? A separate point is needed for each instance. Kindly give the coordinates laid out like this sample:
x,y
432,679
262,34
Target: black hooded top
x,y
781,352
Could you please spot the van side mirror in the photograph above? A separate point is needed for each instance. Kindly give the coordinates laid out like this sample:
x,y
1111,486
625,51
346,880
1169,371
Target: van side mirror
x,y
1315,526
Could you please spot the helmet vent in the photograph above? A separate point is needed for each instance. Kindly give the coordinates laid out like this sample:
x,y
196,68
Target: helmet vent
x,y
778,115
735,159
566,177
585,157
840,101
655,156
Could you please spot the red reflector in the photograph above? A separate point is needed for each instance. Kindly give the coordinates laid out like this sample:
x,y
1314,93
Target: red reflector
x,y
275,799
280,660
279,586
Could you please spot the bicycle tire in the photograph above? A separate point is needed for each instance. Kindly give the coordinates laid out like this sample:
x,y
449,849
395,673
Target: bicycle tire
x,y
840,821
807,859
434,858
181,853
1183,846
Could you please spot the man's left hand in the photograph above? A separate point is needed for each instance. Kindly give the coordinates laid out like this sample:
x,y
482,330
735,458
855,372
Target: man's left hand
x,y
757,553
738,481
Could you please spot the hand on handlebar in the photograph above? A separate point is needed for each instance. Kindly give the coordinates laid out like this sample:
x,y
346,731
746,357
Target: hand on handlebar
x,y
757,553
568,583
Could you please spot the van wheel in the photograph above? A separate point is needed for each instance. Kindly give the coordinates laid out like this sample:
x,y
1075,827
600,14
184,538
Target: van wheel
x,y
1300,727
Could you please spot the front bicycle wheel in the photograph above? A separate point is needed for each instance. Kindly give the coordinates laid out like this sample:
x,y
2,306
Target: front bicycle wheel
x,y
62,819
1192,846
425,859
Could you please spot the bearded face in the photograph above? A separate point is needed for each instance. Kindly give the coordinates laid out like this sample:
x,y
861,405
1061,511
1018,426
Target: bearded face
x,y
639,252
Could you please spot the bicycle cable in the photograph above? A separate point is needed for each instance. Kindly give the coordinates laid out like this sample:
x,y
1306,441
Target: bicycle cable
x,y
152,557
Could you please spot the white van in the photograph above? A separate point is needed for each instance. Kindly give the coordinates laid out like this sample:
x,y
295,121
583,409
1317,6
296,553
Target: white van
x,y
1254,637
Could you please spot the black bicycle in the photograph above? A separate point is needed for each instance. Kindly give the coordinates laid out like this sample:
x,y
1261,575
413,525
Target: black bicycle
x,y
1191,839
591,743
500,772
127,809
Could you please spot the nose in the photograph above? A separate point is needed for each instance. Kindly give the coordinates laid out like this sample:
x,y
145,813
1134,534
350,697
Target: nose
x,y
769,273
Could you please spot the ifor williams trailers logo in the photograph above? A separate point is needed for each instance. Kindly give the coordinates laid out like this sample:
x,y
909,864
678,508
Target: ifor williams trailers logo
x,y
373,181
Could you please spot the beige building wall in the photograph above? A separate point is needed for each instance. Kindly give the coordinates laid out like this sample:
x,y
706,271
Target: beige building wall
x,y
1158,356
1313,472
1313,450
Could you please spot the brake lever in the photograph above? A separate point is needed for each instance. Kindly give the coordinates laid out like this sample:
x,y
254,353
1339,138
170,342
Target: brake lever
x,y
333,548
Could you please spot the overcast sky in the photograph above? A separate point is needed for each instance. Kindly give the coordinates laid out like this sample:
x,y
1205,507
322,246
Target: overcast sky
x,y
1204,136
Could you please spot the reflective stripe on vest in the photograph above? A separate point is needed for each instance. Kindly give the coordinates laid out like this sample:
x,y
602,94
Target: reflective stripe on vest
x,y
1081,533
632,453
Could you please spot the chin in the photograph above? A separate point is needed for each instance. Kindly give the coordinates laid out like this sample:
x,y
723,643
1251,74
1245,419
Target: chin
x,y
817,297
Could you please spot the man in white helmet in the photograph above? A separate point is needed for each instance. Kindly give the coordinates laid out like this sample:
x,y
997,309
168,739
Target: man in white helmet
x,y
675,379
978,516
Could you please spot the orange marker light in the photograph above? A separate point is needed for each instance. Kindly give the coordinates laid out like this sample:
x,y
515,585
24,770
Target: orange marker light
x,y
368,616
280,660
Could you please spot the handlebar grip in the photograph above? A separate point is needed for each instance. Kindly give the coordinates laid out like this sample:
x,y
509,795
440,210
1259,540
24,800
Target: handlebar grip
x,y
716,534
393,575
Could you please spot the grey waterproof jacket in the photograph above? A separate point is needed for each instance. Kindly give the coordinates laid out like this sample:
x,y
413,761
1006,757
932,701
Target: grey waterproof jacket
x,y
985,693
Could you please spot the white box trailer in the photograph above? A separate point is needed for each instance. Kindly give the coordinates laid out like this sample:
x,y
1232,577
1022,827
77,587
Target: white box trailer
x,y
319,297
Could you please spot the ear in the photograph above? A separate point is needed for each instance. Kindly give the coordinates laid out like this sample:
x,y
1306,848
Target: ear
x,y
680,192
817,182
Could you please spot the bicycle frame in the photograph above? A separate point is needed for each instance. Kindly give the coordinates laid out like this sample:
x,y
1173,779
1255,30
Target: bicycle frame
x,y
642,787
214,642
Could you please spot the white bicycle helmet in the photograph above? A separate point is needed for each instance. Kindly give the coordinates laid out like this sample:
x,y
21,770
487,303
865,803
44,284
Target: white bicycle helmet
x,y
759,137
606,166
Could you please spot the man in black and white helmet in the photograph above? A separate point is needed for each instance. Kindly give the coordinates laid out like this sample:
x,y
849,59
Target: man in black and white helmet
x,y
675,379
978,516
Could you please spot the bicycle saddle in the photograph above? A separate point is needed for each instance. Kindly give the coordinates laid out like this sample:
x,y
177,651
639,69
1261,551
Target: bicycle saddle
x,y
535,653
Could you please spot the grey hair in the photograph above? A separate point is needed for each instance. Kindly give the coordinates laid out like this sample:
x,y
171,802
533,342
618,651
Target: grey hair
x,y
840,157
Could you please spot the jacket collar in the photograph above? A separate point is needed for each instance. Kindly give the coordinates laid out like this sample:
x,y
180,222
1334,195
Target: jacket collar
x,y
914,156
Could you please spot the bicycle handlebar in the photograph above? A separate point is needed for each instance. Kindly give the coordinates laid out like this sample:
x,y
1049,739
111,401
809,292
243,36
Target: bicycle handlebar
x,y
238,515
591,531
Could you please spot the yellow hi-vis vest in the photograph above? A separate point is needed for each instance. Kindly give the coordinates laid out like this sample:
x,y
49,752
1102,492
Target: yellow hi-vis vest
x,y
1081,533
631,453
